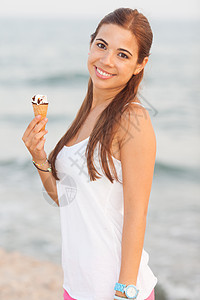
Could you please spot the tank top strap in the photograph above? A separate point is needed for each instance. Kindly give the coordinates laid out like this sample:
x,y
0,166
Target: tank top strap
x,y
134,103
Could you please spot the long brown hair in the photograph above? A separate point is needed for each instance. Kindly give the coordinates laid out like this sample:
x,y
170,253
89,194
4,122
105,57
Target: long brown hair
x,y
103,131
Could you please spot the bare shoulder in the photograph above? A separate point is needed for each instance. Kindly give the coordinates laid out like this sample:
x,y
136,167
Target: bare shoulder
x,y
135,126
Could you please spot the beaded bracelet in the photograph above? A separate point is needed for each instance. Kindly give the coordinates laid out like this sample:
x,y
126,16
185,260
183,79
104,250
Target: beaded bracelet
x,y
41,164
120,297
48,169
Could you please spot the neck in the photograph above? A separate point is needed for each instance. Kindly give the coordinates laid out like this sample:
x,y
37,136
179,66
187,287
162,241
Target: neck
x,y
101,97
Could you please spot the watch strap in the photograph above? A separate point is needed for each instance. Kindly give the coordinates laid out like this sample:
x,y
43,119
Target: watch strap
x,y
119,287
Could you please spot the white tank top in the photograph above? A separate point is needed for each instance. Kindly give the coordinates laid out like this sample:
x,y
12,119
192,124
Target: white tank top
x,y
91,227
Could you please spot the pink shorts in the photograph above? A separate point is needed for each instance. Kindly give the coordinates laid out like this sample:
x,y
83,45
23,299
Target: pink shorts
x,y
67,296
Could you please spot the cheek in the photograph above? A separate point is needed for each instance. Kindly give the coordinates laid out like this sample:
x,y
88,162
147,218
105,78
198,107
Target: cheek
x,y
91,59
126,71
89,62
130,69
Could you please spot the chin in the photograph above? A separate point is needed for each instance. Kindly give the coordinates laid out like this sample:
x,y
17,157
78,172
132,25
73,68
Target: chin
x,y
102,85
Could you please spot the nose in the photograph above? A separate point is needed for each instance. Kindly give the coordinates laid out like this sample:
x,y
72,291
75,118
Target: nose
x,y
107,58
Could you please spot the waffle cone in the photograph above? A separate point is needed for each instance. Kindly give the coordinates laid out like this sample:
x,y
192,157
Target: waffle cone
x,y
40,110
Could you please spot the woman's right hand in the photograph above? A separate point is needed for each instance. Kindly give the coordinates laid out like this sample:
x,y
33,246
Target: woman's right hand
x,y
34,139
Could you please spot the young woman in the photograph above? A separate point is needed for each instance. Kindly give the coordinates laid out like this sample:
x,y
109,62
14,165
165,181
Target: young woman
x,y
107,157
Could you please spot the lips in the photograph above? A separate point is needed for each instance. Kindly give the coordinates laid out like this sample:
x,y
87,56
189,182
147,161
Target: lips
x,y
102,73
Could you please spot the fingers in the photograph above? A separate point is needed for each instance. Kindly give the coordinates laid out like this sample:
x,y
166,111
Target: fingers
x,y
40,125
31,126
33,138
40,145
37,138
32,129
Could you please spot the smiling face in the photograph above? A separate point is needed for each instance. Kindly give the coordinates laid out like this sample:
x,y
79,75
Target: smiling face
x,y
113,58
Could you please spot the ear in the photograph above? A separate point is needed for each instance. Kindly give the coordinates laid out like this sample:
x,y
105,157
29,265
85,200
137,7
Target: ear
x,y
141,66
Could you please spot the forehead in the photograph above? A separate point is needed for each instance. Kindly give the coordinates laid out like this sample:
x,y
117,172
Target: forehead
x,y
117,36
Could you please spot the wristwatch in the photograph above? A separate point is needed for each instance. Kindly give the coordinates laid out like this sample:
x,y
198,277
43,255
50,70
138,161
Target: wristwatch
x,y
130,291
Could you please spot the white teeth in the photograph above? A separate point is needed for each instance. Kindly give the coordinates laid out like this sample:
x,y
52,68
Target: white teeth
x,y
103,73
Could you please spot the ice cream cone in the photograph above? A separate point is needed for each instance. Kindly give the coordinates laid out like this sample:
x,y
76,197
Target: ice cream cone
x,y
40,110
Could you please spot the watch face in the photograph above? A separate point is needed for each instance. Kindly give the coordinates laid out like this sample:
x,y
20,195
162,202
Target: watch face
x,y
130,292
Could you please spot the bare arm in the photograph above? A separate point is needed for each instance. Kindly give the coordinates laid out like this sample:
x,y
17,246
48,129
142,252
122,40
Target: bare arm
x,y
48,181
34,140
137,152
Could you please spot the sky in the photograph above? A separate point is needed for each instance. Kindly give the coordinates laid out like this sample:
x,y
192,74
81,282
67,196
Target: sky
x,y
157,9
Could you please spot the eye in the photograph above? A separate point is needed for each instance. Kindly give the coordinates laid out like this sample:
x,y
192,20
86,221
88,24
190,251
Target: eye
x,y
123,55
100,45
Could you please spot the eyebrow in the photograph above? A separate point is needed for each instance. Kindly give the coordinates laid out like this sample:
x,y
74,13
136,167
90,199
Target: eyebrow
x,y
120,49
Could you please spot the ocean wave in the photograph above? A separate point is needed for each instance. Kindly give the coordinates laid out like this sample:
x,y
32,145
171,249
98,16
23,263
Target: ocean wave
x,y
161,169
176,171
48,80
16,119
15,164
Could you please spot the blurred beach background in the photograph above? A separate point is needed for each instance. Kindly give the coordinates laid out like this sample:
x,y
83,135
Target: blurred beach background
x,y
48,55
